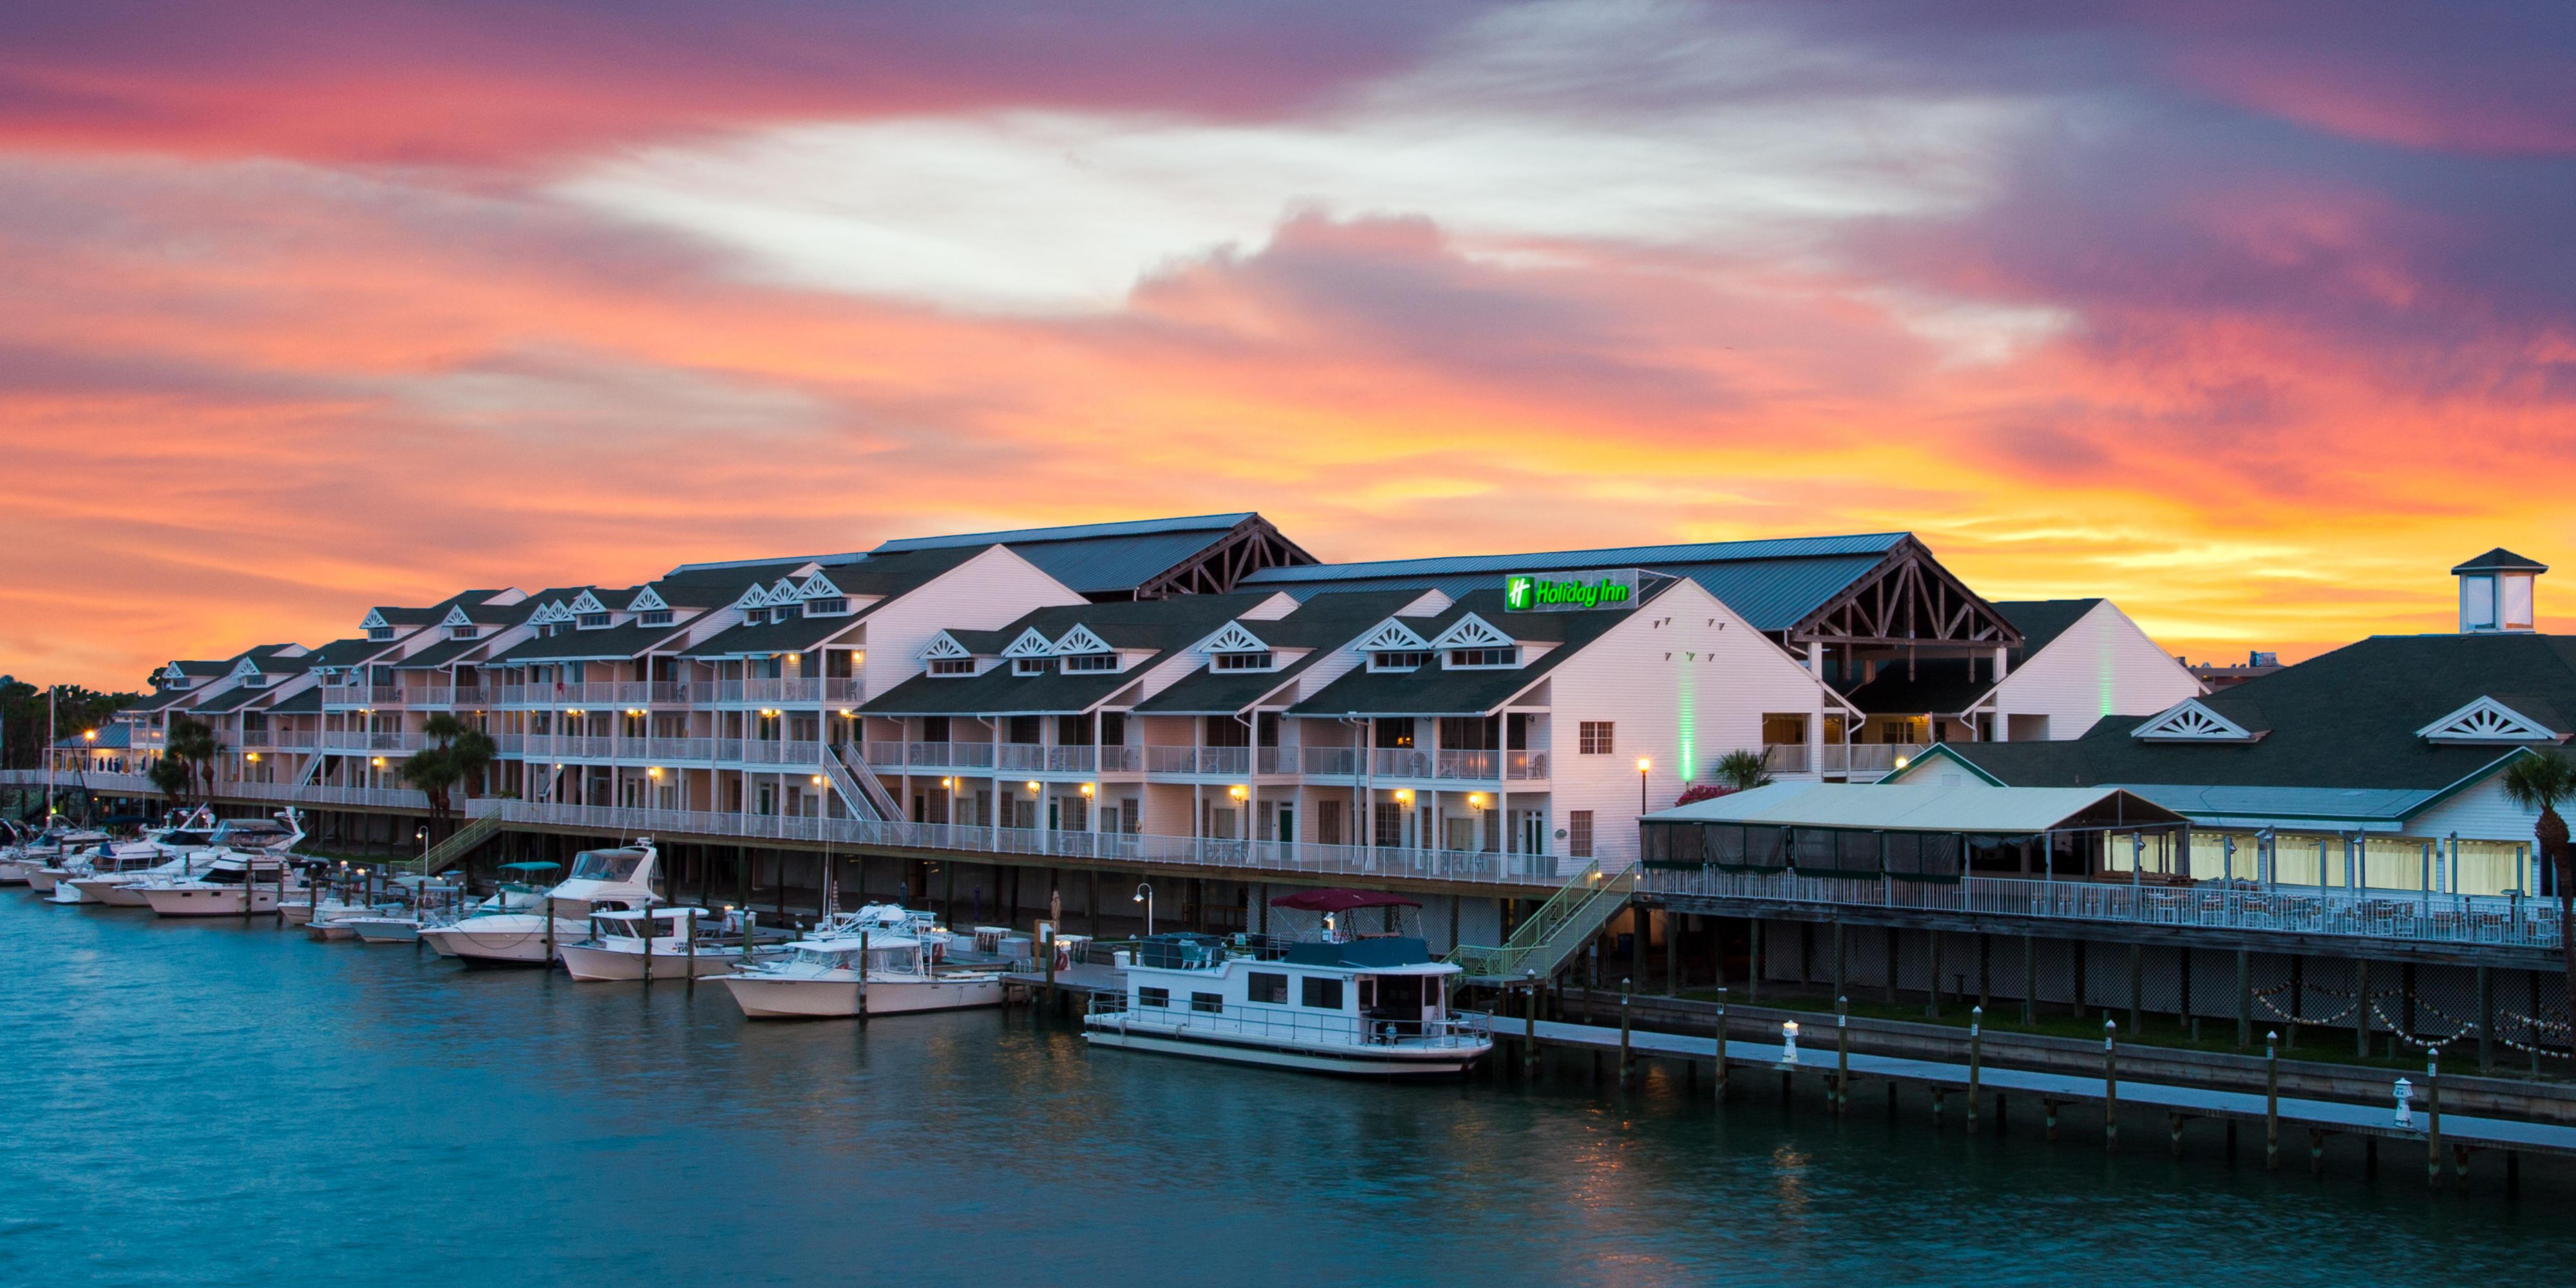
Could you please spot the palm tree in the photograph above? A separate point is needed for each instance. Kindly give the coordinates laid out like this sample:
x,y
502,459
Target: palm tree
x,y
1742,770
171,775
2539,781
192,744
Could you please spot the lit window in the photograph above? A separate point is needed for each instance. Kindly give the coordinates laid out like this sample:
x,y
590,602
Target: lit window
x,y
1091,662
1239,661
1592,738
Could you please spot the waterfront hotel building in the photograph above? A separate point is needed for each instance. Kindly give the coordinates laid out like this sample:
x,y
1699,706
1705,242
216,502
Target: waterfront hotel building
x,y
1202,678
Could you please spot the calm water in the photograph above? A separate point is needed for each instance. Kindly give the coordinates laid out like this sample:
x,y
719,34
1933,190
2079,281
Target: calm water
x,y
218,1104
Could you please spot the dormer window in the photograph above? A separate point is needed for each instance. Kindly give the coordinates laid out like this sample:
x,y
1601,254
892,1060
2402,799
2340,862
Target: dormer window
x,y
254,680
177,682
1483,658
1398,660
463,632
1091,662
1260,661
2495,592
1030,665
833,606
594,621
952,666
380,632
655,617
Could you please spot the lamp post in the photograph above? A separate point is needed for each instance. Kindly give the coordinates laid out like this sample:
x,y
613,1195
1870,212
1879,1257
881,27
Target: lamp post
x,y
1643,765
1145,896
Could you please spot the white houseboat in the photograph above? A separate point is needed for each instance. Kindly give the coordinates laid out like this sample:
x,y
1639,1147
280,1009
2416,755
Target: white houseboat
x,y
1373,1006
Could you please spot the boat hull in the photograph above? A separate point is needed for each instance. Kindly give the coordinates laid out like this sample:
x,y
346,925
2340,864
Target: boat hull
x,y
523,945
208,901
1349,1061
817,999
383,930
589,964
70,893
43,880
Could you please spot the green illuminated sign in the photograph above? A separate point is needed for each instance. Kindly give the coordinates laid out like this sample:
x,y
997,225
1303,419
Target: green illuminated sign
x,y
1569,592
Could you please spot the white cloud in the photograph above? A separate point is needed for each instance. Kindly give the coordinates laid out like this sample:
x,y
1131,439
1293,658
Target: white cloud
x,y
1640,124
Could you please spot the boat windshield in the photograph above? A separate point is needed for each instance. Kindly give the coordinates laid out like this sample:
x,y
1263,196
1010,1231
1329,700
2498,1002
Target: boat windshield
x,y
605,865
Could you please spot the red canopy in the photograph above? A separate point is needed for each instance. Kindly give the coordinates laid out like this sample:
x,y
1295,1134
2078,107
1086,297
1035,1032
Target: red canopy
x,y
1341,900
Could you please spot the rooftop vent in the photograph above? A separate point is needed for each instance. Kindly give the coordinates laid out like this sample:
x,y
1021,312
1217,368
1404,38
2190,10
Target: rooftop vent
x,y
2495,592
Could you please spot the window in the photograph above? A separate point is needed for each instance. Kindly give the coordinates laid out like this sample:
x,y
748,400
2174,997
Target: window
x,y
1484,657
1262,986
1212,1003
1113,728
1578,833
380,632
1398,660
655,617
1239,661
463,632
1030,665
594,621
1153,996
1592,738
828,606
1323,994
1091,662
952,666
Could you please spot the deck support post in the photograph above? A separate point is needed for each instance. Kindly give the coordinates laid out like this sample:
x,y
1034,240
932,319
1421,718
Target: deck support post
x,y
1721,1045
1976,1061
2272,1102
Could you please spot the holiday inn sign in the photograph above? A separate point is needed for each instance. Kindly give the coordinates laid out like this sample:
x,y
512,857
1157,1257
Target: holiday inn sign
x,y
1569,592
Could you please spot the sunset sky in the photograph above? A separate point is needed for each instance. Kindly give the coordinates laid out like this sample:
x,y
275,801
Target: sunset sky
x,y
2255,324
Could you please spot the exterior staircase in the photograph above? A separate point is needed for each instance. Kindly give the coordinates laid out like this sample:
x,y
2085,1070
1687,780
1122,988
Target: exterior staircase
x,y
858,784
446,854
1543,944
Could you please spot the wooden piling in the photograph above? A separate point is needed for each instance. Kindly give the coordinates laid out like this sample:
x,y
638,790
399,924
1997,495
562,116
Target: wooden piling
x,y
2316,1151
1976,1062
1529,1028
2272,1101
2361,1008
1627,1054
1721,1046
1842,1056
2173,1127
2433,1119
2110,1085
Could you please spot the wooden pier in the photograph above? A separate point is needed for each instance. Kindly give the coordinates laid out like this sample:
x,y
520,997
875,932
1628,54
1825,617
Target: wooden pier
x,y
1755,1052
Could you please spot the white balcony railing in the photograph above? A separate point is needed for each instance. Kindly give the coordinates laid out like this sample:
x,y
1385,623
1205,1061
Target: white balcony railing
x,y
1484,867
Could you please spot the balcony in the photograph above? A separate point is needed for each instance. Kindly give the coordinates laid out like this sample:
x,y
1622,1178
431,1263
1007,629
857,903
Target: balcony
x,y
1858,759
1330,762
1230,762
1019,756
841,689
435,695
1525,766
777,751
1070,760
780,692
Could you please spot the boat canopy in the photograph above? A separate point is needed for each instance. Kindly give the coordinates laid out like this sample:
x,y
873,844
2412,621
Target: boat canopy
x,y
1341,900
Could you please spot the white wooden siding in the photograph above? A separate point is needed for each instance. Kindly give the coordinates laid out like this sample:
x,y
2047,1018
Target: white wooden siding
x,y
2102,665
985,593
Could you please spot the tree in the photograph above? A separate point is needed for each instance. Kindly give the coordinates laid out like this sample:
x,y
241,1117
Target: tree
x,y
193,745
461,754
171,775
2540,781
1742,770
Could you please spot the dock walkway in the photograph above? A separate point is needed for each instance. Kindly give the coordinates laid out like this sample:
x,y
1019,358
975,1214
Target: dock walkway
x,y
1818,1056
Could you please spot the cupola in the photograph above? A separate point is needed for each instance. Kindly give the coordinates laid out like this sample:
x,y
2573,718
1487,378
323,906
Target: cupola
x,y
2495,592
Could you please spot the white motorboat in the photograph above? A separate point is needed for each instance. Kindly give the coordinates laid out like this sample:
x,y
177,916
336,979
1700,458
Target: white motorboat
x,y
615,879
881,960
1370,1006
380,927
232,885
40,865
82,875
618,948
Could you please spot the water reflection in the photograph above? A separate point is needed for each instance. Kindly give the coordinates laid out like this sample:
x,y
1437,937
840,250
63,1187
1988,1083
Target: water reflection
x,y
216,1103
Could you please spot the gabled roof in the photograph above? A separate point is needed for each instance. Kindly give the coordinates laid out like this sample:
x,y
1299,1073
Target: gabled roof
x,y
885,579
349,652
305,702
611,644
2349,719
1435,690
395,615
1323,625
1952,685
1125,558
1165,625
1772,583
